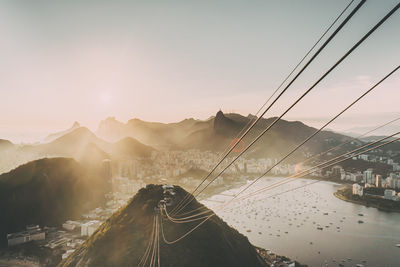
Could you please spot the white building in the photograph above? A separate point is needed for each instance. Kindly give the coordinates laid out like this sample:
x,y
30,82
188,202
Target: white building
x,y
33,232
396,167
71,225
87,229
358,190
390,194
367,175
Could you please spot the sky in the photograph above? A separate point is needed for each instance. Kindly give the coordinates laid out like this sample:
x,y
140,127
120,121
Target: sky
x,y
66,61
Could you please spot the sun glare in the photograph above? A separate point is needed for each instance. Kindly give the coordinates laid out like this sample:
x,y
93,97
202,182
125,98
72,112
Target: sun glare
x,y
105,98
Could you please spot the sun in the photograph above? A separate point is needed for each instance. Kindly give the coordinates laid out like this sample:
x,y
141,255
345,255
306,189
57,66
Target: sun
x,y
105,98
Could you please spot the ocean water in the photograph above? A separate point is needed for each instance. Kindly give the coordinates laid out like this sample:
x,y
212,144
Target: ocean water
x,y
287,224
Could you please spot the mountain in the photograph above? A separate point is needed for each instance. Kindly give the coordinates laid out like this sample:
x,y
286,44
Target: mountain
x,y
122,239
46,192
54,136
84,146
150,133
129,148
219,131
385,131
5,144
279,140
71,144
91,156
225,125
111,129
80,143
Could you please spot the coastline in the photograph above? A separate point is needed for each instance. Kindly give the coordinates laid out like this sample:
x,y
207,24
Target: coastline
x,y
363,201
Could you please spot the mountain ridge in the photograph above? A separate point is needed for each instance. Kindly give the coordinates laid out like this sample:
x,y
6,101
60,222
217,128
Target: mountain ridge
x,y
122,239
53,136
217,132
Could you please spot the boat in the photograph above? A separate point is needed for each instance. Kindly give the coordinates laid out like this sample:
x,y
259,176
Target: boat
x,y
360,221
360,214
398,245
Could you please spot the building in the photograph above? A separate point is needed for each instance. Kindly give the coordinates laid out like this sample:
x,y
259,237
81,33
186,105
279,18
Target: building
x,y
378,180
391,182
71,225
87,229
358,190
390,194
32,233
367,176
396,167
58,242
336,171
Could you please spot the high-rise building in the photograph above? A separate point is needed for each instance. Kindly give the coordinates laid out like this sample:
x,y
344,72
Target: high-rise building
x,y
358,190
367,176
378,180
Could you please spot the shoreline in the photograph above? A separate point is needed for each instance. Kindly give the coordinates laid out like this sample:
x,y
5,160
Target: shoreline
x,y
364,202
222,188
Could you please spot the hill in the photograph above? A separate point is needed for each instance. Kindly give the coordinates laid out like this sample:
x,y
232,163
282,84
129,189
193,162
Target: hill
x,y
54,136
72,143
219,131
155,134
129,148
46,192
5,144
82,144
122,239
278,141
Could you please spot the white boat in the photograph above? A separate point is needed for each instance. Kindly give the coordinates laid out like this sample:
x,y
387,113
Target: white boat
x,y
398,245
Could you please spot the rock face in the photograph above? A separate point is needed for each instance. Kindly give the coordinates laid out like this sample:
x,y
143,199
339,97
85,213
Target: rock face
x,y
224,125
123,238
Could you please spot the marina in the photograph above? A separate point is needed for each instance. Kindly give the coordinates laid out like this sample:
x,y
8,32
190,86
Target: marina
x,y
312,226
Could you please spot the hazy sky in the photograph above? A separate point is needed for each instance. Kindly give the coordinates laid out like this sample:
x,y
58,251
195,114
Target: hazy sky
x,y
66,61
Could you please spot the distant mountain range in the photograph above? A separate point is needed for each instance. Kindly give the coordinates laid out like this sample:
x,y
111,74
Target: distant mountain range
x,y
54,136
136,138
123,238
81,143
387,130
218,132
